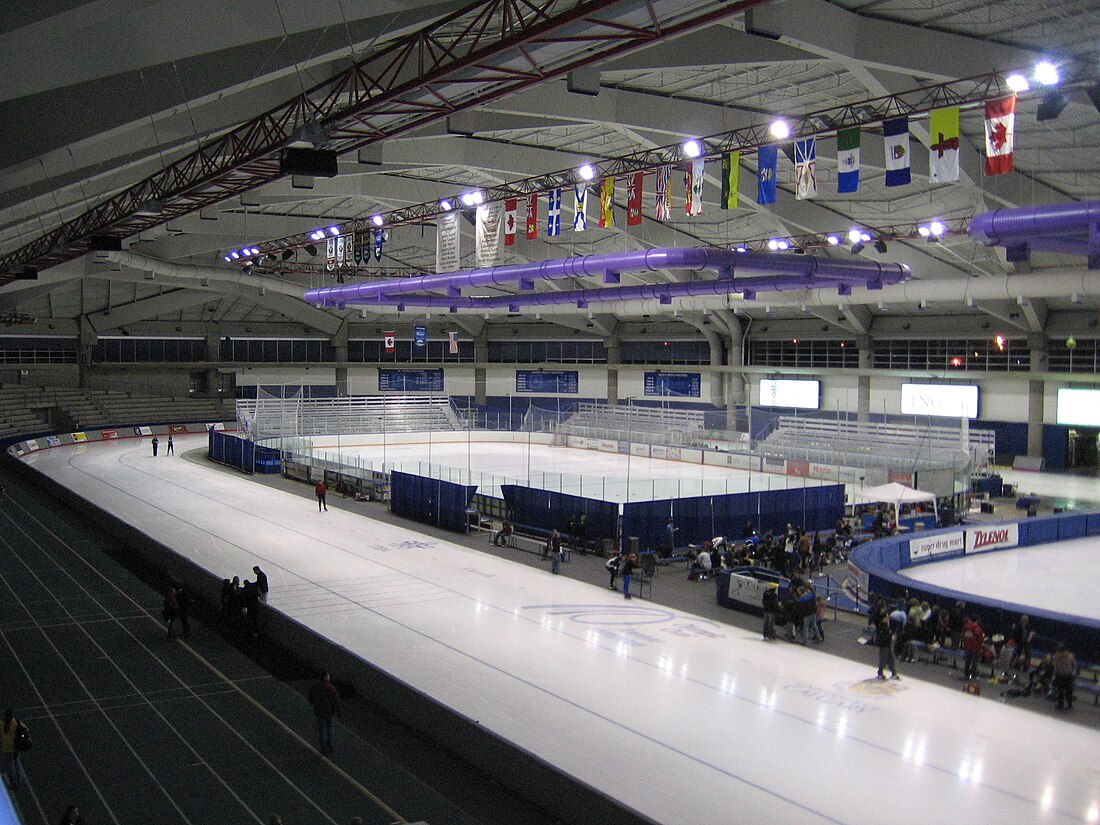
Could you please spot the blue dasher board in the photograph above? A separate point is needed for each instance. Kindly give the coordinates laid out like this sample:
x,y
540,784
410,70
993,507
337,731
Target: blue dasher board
x,y
547,381
410,380
673,384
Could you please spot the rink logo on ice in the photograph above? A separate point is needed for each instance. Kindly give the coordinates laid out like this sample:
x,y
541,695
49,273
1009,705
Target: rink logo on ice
x,y
832,697
978,540
929,546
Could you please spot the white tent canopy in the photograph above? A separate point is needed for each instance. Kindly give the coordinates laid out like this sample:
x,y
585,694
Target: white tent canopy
x,y
895,495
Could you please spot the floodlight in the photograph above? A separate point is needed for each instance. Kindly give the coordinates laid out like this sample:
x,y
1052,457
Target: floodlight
x,y
780,130
586,172
692,149
1045,73
1017,83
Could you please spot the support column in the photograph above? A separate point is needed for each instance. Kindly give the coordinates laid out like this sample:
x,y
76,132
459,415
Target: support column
x,y
736,381
863,382
88,339
213,358
339,343
614,357
1036,395
481,359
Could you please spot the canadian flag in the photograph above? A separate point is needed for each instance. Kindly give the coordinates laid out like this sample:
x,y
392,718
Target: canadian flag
x,y
390,340
510,222
1000,128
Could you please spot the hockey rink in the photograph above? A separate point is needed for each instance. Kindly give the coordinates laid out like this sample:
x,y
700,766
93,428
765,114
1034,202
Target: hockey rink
x,y
682,719
1046,576
591,473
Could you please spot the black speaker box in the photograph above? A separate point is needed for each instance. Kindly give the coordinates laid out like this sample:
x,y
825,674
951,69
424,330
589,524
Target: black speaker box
x,y
317,163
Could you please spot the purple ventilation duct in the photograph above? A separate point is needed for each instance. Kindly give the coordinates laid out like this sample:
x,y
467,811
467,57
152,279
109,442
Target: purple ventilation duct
x,y
1068,228
743,272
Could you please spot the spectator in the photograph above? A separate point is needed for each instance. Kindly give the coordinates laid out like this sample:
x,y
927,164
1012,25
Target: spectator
x,y
626,570
503,534
321,491
156,446
1022,636
973,640
956,622
820,615
884,641
612,566
770,602
171,448
557,556
326,705
262,586
170,610
807,614
1065,668
9,746
703,563
670,538
553,544
580,537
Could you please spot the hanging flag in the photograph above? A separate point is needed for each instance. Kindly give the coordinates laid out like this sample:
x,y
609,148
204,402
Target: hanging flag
x,y
487,224
805,169
1000,131
767,160
895,135
731,172
390,341
943,148
580,207
452,343
532,217
448,256
510,222
693,185
553,213
847,160
358,249
340,251
420,336
330,254
379,239
634,199
662,204
607,200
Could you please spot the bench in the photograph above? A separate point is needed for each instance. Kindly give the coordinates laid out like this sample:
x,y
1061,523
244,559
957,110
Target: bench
x,y
532,544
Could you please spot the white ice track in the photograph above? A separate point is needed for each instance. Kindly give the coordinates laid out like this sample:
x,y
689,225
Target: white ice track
x,y
687,721
600,475
1060,577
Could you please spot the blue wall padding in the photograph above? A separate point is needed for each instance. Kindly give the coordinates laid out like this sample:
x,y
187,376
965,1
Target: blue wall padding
x,y
430,500
227,448
540,511
1071,526
1092,521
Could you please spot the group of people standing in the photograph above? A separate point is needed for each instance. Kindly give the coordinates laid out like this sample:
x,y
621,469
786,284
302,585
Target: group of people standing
x,y
170,448
242,600
622,566
802,611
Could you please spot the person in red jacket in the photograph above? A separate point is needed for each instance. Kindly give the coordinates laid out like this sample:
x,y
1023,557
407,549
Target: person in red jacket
x,y
973,640
320,490
326,704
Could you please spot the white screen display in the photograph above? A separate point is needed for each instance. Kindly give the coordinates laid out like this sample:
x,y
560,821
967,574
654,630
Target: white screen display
x,y
947,400
801,395
1079,407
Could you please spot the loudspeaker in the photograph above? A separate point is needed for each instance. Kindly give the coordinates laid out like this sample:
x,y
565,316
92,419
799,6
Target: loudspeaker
x,y
104,243
317,163
1051,107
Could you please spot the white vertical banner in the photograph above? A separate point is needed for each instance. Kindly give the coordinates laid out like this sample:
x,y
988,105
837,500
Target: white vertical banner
x,y
340,251
490,219
447,253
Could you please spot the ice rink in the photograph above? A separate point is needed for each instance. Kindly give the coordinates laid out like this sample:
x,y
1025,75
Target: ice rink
x,y
1059,577
687,721
602,475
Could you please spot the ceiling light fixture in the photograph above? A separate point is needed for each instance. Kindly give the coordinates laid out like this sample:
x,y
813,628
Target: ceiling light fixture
x,y
1045,73
855,235
377,220
472,198
586,172
833,240
780,130
692,149
1017,82
446,205
334,231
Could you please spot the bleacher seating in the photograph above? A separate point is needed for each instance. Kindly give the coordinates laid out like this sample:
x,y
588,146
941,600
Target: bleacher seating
x,y
285,417
644,424
874,444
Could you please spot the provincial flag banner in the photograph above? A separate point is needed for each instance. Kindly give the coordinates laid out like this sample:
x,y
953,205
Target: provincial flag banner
x,y
731,173
553,213
847,160
390,340
358,249
662,205
447,253
379,239
693,184
532,217
607,202
634,199
452,343
510,222
488,221
1000,131
943,145
768,161
580,207
895,136
805,169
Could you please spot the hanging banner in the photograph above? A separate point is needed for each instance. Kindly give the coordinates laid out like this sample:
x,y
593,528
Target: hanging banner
x,y
452,343
532,217
847,160
580,207
390,340
420,336
553,213
510,222
607,198
662,203
943,148
731,173
693,185
634,199
805,169
1000,130
768,161
330,253
447,257
487,225
379,239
